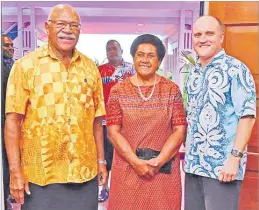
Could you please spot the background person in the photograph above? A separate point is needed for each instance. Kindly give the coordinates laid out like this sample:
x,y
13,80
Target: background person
x,y
112,72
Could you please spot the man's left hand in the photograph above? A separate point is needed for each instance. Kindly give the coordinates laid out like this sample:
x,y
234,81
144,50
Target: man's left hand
x,y
102,174
229,171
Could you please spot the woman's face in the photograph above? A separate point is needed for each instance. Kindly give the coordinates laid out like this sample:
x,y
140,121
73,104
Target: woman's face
x,y
146,60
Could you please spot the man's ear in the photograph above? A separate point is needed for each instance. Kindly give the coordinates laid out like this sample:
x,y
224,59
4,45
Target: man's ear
x,y
47,27
222,38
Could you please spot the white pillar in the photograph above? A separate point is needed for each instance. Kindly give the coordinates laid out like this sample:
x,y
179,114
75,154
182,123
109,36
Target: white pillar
x,y
182,29
177,78
206,7
165,66
33,33
20,31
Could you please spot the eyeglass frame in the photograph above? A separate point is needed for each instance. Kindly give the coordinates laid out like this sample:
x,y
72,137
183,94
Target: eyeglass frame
x,y
65,24
8,45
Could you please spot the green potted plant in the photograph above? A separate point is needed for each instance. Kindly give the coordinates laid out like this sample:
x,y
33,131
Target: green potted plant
x,y
188,63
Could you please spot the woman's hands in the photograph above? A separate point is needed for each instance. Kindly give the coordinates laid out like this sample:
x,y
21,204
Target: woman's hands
x,y
147,168
142,168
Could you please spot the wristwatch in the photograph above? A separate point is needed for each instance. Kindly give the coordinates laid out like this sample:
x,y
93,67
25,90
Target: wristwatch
x,y
102,162
236,153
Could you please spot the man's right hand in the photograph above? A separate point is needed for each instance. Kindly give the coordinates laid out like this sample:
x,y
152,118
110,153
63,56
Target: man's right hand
x,y
142,168
17,186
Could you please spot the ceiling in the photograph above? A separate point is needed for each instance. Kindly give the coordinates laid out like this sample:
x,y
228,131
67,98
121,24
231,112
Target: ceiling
x,y
110,17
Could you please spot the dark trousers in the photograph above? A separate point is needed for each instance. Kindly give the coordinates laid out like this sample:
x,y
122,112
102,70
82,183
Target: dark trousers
x,y
203,193
80,196
108,149
5,167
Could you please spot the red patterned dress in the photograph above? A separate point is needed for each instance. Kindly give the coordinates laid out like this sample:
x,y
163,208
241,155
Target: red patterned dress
x,y
145,124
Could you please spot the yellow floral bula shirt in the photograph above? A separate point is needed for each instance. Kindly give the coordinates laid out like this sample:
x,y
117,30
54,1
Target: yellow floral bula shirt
x,y
59,104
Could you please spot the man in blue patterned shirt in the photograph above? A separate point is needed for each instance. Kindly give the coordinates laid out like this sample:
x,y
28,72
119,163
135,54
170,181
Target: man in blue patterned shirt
x,y
221,112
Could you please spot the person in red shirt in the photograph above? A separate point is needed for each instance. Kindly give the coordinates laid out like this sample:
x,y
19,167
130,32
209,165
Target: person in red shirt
x,y
112,72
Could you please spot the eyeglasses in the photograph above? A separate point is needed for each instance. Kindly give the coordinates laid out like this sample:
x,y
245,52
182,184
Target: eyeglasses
x,y
7,45
62,24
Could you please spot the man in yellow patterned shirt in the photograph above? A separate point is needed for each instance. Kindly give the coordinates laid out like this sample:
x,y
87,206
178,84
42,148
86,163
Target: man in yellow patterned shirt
x,y
53,131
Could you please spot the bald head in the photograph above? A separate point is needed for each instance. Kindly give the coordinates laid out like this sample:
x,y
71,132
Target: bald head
x,y
58,10
207,36
210,19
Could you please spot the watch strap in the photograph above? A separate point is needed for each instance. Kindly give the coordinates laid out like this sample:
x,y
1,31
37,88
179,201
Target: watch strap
x,y
102,162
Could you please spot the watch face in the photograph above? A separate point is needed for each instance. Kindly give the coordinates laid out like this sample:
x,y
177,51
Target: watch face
x,y
236,153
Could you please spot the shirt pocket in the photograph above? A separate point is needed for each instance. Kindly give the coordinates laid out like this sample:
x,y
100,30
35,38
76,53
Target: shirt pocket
x,y
85,91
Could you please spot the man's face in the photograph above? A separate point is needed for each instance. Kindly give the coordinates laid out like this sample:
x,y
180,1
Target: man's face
x,y
63,30
146,60
8,49
114,52
207,37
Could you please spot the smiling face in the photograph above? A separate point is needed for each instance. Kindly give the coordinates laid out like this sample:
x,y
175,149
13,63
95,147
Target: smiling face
x,y
207,37
8,49
63,39
146,60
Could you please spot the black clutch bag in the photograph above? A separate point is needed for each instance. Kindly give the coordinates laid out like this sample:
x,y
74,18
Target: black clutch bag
x,y
147,154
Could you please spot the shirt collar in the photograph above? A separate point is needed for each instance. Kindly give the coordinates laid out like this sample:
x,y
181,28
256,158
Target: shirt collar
x,y
215,60
122,64
8,60
46,50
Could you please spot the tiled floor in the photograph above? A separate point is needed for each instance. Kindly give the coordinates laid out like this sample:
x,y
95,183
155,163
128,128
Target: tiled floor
x,y
102,206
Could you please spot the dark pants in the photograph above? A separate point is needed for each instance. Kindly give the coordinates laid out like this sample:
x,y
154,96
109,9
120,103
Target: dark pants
x,y
5,167
82,196
202,193
108,149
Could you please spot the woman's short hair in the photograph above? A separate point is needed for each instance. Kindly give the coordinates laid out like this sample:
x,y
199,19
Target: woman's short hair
x,y
148,39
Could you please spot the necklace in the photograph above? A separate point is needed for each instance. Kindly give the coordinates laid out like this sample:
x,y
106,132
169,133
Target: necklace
x,y
151,94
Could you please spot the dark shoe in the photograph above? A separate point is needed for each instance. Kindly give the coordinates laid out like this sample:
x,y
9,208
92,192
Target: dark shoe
x,y
103,196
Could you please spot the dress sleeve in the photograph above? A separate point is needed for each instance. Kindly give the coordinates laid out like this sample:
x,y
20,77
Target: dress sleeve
x,y
178,117
17,93
113,109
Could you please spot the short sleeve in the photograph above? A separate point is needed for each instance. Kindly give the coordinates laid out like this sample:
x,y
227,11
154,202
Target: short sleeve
x,y
17,93
114,113
98,96
243,93
178,117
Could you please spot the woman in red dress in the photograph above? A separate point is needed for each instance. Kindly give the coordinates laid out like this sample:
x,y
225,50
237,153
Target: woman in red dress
x,y
146,124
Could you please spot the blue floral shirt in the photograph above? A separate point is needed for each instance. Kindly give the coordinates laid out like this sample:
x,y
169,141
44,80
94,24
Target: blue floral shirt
x,y
218,96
